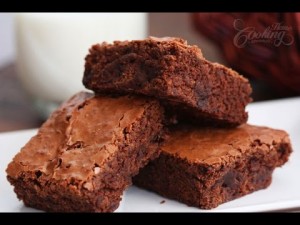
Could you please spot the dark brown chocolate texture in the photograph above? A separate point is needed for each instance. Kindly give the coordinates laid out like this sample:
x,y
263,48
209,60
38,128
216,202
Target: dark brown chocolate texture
x,y
206,167
167,68
85,154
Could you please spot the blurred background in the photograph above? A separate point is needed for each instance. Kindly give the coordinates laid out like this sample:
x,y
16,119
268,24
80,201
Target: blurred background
x,y
42,56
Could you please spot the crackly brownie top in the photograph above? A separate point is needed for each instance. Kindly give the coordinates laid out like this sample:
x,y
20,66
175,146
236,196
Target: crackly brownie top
x,y
150,47
171,41
166,46
79,137
221,146
179,42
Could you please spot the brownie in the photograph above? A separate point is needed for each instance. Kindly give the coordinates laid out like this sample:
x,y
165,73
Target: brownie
x,y
173,71
85,154
206,167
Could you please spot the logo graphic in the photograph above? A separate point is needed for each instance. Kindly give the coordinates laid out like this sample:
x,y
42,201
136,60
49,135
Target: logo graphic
x,y
276,34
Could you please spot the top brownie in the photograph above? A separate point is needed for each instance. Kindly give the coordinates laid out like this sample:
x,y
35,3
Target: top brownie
x,y
173,71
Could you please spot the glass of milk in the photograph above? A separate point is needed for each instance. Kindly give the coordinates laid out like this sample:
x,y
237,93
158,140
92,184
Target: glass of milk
x,y
51,48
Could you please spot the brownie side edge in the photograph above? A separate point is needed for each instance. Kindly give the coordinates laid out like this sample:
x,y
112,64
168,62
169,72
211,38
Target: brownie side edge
x,y
207,186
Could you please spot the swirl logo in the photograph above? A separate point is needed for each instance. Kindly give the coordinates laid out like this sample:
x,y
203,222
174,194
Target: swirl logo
x,y
276,34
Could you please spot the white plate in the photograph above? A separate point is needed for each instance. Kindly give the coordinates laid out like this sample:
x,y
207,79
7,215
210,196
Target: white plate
x,y
282,194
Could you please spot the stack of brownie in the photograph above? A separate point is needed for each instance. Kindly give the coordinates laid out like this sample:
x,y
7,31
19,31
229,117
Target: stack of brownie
x,y
162,116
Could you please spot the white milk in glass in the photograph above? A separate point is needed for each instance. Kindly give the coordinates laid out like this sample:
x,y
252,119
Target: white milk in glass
x,y
51,49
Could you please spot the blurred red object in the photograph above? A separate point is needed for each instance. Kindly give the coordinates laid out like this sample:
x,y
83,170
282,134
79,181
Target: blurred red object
x,y
260,45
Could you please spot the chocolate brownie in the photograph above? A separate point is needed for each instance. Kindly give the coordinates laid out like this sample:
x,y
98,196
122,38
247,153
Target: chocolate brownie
x,y
173,71
86,153
207,167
